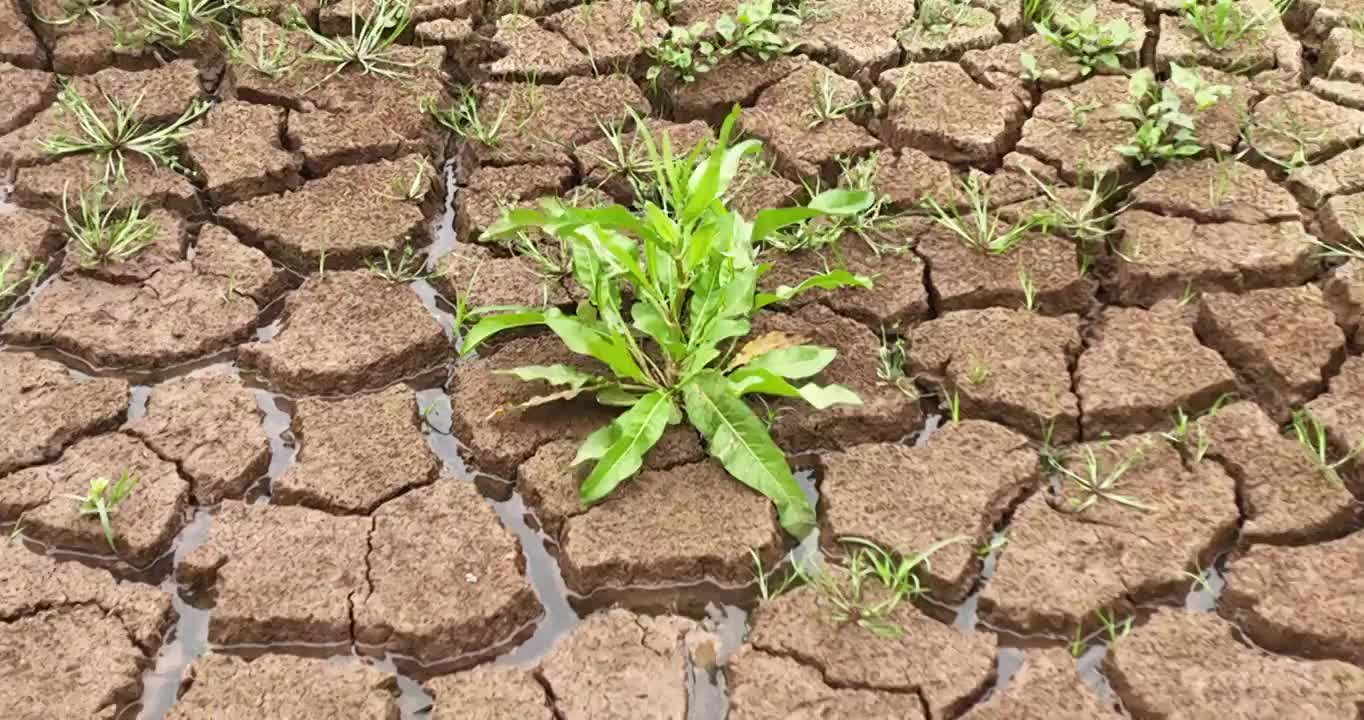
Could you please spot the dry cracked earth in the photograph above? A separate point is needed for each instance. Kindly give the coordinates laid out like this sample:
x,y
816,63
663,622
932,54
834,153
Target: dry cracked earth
x,y
329,524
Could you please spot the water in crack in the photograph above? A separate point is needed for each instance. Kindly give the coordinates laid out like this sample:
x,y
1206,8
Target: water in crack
x,y
277,421
189,640
436,306
1203,594
443,226
137,401
707,696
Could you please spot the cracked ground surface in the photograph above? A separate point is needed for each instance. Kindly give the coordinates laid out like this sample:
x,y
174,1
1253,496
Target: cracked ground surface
x,y
332,518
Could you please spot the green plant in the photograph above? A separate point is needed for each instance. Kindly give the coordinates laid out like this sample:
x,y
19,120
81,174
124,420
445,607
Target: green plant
x,y
1029,287
371,44
1291,128
1112,626
413,188
953,400
1091,44
274,62
1096,482
106,234
1311,435
176,23
124,134
405,267
1089,223
869,584
827,105
890,366
1163,129
1031,72
465,120
761,576
1200,579
103,499
73,10
1190,432
978,372
1079,112
982,229
1351,248
14,281
1036,11
755,30
1221,23
688,263
873,224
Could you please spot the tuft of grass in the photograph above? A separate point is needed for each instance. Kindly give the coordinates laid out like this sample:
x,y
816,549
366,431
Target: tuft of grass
x,y
1029,287
1091,44
1037,11
1351,248
978,372
272,62
103,499
953,400
766,590
465,119
405,267
177,23
1222,23
411,189
370,46
123,134
981,229
1113,628
1191,433
890,366
870,583
827,106
1311,435
106,233
15,281
1096,483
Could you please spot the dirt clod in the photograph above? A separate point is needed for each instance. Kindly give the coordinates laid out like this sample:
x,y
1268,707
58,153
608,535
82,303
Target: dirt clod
x,y
772,687
46,408
489,693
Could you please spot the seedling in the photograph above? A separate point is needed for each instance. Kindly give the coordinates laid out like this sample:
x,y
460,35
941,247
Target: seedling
x,y
1163,129
1030,71
1200,580
551,264
766,591
1091,44
1095,483
870,224
15,281
106,234
125,134
1312,437
1037,11
850,590
626,160
177,23
1351,248
890,368
828,106
688,264
978,372
371,44
413,188
465,120
1089,224
1079,112
1222,23
1029,287
1114,628
756,30
103,499
405,267
1290,128
16,531
273,62
982,229
1186,425
953,400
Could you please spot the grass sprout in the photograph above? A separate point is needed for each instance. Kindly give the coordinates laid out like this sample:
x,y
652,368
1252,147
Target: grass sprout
x,y
1222,23
371,44
272,62
1311,435
15,281
766,590
466,121
828,106
410,189
1097,483
1191,433
123,134
981,229
405,267
106,234
103,498
177,23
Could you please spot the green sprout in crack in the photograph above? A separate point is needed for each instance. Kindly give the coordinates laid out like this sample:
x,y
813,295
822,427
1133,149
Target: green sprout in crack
x,y
1096,483
103,498
981,229
1191,431
15,281
177,23
405,267
761,576
74,10
1029,287
1089,224
1351,248
411,188
1114,628
1164,129
828,106
466,121
952,399
890,366
1222,23
869,584
875,224
106,233
1091,44
122,134
978,372
371,45
1037,11
272,62
1311,435
1291,128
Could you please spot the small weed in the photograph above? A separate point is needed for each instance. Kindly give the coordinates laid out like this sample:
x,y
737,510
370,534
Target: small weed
x,y
1185,424
103,499
274,62
1352,248
125,134
761,576
1096,484
1225,22
1037,11
177,23
370,46
15,281
411,189
890,366
465,120
106,234
1078,644
551,264
1091,44
16,531
953,400
1290,128
1163,129
869,584
1079,112
1311,435
1029,287
1030,72
1114,628
1187,296
756,30
978,372
1089,224
827,105
405,267
981,229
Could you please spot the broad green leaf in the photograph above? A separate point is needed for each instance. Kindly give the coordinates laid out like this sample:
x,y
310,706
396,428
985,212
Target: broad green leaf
x,y
494,324
765,343
596,444
617,396
703,188
831,280
650,322
842,202
737,438
584,339
514,221
829,202
749,380
801,361
637,431
557,374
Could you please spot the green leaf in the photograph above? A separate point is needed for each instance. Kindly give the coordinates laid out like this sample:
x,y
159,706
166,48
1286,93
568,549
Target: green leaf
x,y
652,323
494,324
596,444
584,339
637,431
831,280
748,380
737,438
801,361
553,374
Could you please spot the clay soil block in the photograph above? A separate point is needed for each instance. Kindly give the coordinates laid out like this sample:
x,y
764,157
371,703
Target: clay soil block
x,y
735,80
494,693
356,453
962,278
484,600
1080,150
209,426
973,29
1301,601
771,687
960,483
896,300
1283,342
1271,48
24,93
616,34
483,278
145,522
854,37
977,126
1211,191
298,587
346,332
1341,412
1047,687
1340,175
297,227
1324,127
528,50
947,668
1195,665
626,540
154,186
248,271
1139,367
46,408
491,191
18,44
1343,288
1012,366
238,152
28,236
1090,559
288,686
